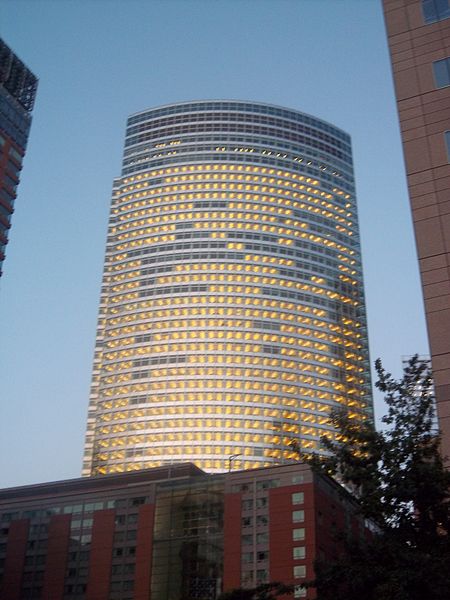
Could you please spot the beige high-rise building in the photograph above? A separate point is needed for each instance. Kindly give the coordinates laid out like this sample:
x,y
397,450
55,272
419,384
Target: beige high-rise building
x,y
232,314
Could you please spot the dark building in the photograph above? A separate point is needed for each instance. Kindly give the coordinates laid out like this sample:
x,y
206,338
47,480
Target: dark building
x,y
17,93
171,532
419,42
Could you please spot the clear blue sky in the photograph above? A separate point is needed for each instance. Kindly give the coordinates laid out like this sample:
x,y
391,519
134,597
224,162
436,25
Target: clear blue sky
x,y
100,60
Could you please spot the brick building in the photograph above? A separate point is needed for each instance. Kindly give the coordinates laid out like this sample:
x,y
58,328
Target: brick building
x,y
419,42
169,533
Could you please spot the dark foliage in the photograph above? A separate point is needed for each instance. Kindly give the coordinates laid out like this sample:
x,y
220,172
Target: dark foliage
x,y
399,478
264,591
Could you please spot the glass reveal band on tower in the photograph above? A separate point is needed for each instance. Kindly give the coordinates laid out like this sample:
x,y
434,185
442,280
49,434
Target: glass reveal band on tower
x,y
232,315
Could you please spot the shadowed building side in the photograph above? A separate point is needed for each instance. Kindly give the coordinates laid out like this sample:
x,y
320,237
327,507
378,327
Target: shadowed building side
x,y
419,42
18,88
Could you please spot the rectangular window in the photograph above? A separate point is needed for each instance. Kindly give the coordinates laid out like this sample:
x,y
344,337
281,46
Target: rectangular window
x,y
94,506
435,10
247,578
298,498
299,591
441,70
77,508
120,520
262,538
298,516
10,516
298,553
13,169
299,571
269,483
240,487
262,575
247,504
246,521
298,478
447,143
298,534
13,152
262,520
261,502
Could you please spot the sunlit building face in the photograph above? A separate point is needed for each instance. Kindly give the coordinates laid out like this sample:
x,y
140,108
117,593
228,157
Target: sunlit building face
x,y
232,313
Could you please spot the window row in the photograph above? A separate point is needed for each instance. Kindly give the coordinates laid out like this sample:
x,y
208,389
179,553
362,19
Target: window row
x,y
219,120
259,538
272,250
190,145
246,107
309,168
260,521
263,144
161,391
335,302
242,128
204,463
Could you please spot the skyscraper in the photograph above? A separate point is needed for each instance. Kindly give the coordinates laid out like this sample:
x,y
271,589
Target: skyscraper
x,y
419,42
232,312
17,93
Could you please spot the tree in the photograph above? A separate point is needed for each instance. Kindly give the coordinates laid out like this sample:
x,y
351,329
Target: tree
x,y
403,487
264,591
